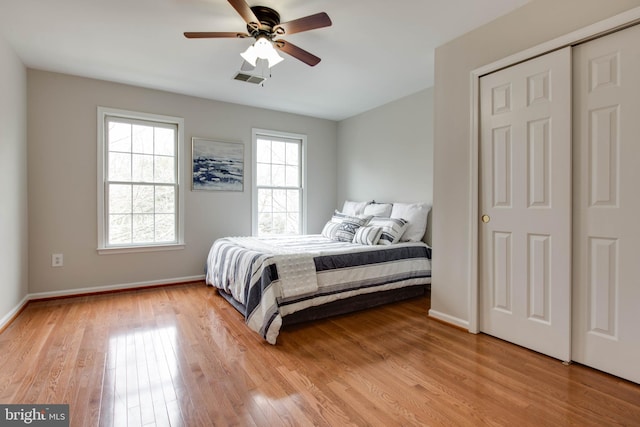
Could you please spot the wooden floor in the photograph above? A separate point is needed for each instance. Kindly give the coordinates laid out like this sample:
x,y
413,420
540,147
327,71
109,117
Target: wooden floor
x,y
182,356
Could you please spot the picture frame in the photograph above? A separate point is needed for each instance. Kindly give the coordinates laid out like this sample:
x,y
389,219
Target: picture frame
x,y
216,165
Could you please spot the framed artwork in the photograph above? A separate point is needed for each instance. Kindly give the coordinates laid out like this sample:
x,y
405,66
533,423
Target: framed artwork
x,y
217,165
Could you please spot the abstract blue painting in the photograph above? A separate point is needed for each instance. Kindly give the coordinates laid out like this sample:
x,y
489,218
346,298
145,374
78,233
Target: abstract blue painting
x,y
217,165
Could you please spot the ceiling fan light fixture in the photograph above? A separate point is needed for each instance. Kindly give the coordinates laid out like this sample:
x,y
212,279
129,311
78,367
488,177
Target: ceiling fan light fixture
x,y
250,55
262,48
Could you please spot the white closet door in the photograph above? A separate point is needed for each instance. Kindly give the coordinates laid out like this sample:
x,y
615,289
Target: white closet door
x,y
606,298
525,199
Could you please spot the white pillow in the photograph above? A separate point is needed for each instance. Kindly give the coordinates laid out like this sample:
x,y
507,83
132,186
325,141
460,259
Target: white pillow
x,y
367,235
378,209
392,229
416,216
353,208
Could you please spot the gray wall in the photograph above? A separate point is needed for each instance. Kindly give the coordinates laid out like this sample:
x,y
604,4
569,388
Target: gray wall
x,y
536,22
386,154
62,180
13,176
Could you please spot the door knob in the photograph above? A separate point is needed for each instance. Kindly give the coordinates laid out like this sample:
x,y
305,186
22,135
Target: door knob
x,y
486,218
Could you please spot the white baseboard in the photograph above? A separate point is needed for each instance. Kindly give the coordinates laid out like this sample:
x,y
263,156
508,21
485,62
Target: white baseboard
x,y
97,289
9,316
449,319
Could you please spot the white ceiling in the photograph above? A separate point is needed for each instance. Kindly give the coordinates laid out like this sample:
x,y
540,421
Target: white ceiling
x,y
375,51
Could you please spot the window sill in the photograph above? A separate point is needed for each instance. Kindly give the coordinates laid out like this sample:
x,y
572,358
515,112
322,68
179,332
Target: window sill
x,y
134,249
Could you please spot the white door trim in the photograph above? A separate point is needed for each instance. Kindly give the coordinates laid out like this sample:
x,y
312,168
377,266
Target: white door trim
x,y
608,25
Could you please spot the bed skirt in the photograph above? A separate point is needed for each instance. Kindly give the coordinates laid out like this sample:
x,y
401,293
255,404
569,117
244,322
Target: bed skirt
x,y
343,306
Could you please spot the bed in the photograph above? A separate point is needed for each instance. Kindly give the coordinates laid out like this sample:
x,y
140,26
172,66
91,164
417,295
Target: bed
x,y
279,281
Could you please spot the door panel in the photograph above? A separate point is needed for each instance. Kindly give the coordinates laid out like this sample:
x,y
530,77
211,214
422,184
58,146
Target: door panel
x,y
525,193
606,296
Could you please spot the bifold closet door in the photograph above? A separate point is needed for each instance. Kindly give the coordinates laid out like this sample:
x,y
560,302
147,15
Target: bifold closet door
x,y
525,204
606,295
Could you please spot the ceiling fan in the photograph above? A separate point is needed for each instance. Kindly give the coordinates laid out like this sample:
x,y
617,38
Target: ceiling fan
x,y
263,24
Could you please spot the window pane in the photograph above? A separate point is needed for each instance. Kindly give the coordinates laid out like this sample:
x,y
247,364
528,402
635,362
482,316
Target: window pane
x,y
263,174
164,170
293,201
165,228
119,137
165,142
265,222
142,168
119,229
277,175
278,151
143,228
291,176
265,201
263,150
142,141
119,167
279,223
293,223
143,200
119,199
279,200
293,154
165,199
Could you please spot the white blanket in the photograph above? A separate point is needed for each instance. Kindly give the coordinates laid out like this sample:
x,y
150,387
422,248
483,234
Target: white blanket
x,y
296,271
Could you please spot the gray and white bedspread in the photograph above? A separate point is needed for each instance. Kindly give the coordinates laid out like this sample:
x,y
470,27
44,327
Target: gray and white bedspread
x,y
274,277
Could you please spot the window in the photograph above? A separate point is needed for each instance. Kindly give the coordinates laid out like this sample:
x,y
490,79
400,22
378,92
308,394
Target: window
x,y
140,202
278,183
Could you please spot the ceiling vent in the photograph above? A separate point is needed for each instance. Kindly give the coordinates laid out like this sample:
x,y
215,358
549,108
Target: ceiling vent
x,y
249,78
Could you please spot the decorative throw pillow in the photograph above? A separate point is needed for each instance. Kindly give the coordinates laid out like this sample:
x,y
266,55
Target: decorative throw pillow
x,y
378,209
348,227
367,235
329,230
416,215
392,229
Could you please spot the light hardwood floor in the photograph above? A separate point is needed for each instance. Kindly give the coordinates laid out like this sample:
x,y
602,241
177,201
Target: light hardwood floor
x,y
182,356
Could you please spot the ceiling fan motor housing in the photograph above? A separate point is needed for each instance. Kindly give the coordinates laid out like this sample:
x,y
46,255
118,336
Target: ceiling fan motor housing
x,y
268,18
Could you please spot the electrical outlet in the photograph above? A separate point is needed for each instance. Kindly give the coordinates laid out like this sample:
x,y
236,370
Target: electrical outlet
x,y
57,260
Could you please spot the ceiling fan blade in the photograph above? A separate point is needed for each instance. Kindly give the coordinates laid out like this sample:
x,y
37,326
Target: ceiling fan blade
x,y
311,22
214,35
296,52
245,11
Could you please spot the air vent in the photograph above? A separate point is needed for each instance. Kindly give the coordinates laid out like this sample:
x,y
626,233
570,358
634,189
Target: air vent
x,y
249,78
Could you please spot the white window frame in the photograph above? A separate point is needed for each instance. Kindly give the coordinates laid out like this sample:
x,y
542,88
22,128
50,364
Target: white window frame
x,y
255,133
103,247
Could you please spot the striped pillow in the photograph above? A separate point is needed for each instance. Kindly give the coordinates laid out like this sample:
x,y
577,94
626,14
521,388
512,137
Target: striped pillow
x,y
329,230
392,229
348,227
367,235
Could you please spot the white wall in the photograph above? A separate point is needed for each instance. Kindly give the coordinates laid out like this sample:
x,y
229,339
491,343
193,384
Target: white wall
x,y
536,22
386,154
13,176
62,179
